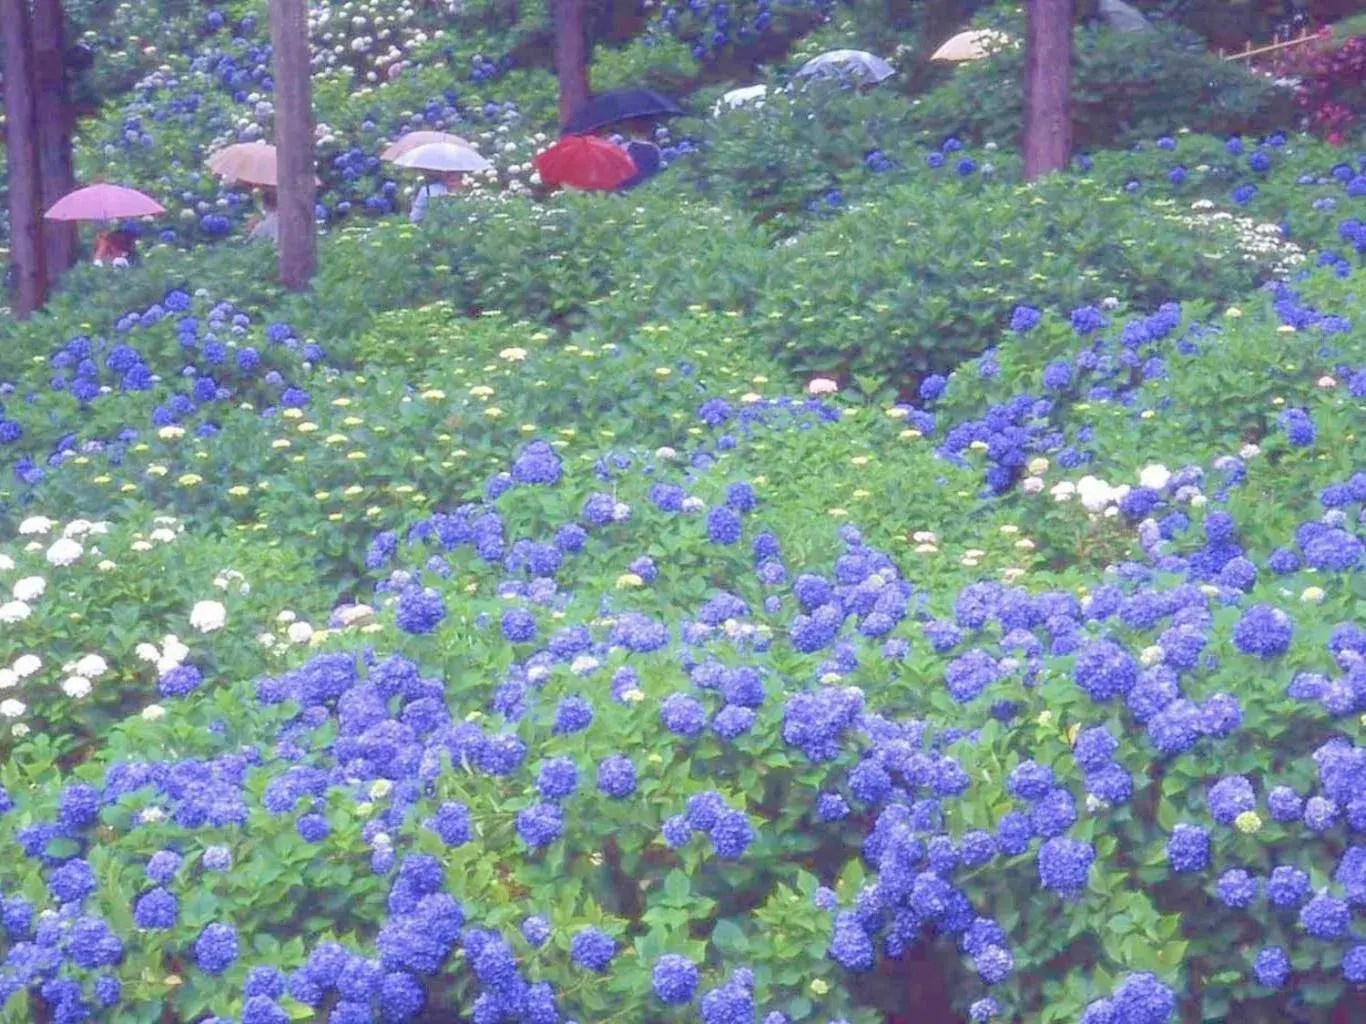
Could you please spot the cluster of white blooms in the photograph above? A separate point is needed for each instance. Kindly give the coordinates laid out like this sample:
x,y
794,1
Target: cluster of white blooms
x,y
170,654
1255,241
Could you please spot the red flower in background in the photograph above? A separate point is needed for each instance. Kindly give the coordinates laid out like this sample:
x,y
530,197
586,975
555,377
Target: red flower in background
x,y
1331,82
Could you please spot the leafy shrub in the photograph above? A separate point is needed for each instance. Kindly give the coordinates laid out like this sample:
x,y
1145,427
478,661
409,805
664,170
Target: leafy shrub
x,y
1126,86
885,301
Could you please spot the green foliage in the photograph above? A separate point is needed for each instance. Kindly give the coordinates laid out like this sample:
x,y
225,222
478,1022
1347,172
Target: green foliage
x,y
1125,87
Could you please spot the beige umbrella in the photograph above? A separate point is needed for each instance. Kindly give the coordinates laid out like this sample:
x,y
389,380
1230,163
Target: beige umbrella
x,y
976,44
247,163
442,156
414,139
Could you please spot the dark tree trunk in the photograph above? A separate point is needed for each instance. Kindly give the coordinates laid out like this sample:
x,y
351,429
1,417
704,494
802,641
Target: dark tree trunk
x,y
55,119
1047,87
26,237
294,143
571,56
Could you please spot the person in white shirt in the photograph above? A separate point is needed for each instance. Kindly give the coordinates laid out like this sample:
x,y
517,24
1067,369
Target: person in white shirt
x,y
267,229
433,188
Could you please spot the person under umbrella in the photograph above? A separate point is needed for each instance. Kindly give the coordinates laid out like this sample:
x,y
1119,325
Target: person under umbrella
x,y
437,184
644,153
444,165
586,162
118,248
103,203
267,227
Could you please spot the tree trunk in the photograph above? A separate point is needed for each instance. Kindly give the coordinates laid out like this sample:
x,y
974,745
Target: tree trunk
x,y
294,143
54,116
1047,87
26,238
571,56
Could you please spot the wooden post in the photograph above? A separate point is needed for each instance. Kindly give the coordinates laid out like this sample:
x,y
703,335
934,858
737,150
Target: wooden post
x,y
294,143
571,56
53,114
1047,87
25,199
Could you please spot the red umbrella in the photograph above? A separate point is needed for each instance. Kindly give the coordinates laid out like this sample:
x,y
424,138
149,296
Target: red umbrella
x,y
586,162
104,202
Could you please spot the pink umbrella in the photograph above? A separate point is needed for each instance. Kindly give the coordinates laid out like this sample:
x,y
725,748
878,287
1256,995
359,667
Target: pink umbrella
x,y
103,203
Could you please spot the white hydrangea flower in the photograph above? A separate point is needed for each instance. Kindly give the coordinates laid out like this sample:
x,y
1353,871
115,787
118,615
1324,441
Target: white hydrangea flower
x,y
36,524
6,563
173,653
14,611
76,687
9,679
153,713
30,588
64,551
207,616
12,708
78,528
1095,493
821,386
1154,476
300,632
26,665
92,666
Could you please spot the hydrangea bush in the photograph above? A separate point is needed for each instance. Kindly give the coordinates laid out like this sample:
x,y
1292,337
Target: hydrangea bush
x,y
940,601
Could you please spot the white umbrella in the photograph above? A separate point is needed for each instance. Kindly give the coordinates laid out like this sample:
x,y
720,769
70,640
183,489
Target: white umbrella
x,y
737,98
443,156
976,44
1122,18
855,63
412,140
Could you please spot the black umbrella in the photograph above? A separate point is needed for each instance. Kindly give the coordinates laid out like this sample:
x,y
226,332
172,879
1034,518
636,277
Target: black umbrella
x,y
620,105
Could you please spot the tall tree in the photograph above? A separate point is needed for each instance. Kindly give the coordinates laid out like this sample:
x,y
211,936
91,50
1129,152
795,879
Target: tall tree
x,y
55,120
571,56
1047,87
294,142
25,199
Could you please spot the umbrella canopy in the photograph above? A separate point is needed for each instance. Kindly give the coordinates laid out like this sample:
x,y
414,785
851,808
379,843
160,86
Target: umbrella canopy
x,y
854,63
977,44
443,156
247,163
737,98
585,162
620,105
103,202
1122,18
412,140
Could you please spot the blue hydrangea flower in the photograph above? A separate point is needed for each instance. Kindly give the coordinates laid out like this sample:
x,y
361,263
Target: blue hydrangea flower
x,y
674,979
1188,849
592,949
